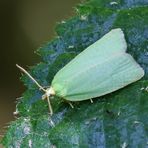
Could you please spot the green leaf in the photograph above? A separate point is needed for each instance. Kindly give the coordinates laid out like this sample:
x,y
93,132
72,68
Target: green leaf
x,y
119,119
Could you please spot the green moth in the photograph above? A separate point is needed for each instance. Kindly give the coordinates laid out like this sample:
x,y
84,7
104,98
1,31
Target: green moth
x,y
100,69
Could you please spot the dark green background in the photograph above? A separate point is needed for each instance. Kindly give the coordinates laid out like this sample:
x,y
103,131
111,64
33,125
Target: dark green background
x,y
24,25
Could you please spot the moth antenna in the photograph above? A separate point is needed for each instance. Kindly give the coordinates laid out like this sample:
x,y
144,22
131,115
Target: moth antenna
x,y
23,70
49,105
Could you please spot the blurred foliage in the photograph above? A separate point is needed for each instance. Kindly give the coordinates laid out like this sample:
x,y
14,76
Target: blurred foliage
x,y
119,119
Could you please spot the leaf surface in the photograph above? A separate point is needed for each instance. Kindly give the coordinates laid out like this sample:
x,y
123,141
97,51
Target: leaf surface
x,y
115,120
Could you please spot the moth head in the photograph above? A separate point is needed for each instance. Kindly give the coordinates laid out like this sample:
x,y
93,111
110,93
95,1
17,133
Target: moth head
x,y
48,93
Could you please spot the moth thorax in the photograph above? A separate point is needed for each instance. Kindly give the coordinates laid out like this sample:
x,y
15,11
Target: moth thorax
x,y
49,92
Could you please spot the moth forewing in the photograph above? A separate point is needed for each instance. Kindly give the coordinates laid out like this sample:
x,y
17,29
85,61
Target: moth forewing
x,y
100,69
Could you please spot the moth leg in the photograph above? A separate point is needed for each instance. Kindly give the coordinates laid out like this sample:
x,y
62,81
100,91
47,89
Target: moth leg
x,y
71,104
91,101
49,105
52,123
